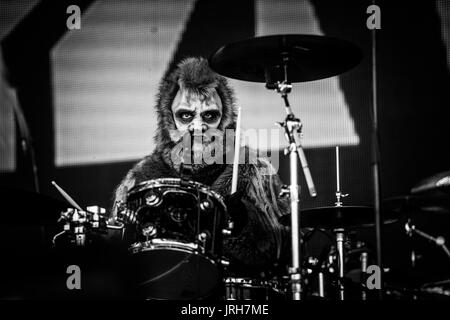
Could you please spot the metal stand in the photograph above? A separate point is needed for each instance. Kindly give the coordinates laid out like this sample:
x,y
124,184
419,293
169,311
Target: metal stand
x,y
292,127
340,237
376,164
439,241
364,265
78,224
340,233
321,285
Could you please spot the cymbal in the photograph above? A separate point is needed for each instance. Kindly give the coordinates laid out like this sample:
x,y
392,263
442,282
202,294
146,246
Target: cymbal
x,y
438,184
310,57
346,217
27,208
418,203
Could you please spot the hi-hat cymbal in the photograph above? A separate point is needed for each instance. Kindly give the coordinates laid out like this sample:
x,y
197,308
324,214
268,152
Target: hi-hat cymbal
x,y
343,217
310,57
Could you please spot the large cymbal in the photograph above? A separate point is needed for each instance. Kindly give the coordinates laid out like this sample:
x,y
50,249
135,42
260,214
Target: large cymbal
x,y
437,184
345,217
411,204
310,57
26,208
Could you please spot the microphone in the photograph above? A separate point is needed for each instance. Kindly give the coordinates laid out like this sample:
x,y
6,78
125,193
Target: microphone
x,y
306,172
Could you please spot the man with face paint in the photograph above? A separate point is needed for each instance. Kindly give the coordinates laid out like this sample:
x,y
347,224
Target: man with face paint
x,y
192,102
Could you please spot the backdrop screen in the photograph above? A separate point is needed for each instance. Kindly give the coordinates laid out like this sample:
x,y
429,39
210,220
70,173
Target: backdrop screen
x,y
106,76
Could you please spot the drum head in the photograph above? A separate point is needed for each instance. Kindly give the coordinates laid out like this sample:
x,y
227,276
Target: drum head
x,y
169,274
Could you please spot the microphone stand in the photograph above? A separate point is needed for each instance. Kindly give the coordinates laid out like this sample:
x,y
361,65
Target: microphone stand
x,y
292,127
376,165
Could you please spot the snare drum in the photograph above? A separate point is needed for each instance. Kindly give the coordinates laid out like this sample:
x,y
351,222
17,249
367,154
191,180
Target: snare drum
x,y
179,234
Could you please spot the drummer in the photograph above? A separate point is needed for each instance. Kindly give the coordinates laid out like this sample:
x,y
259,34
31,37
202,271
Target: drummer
x,y
191,100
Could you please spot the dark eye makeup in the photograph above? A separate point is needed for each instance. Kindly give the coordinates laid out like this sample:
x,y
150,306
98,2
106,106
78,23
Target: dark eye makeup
x,y
207,116
184,116
210,116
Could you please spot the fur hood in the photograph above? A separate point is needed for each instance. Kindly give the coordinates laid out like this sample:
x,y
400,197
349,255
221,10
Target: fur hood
x,y
193,74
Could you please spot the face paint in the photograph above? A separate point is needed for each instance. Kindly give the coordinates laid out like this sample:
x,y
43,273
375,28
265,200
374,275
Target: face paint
x,y
196,113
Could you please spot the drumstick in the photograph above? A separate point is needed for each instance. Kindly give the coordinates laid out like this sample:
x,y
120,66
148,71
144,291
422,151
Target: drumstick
x,y
237,147
66,196
338,183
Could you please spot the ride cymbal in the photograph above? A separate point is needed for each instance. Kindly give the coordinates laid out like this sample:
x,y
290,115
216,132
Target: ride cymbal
x,y
308,58
343,217
418,203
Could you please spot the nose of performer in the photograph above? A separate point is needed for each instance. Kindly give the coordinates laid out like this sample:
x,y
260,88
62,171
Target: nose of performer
x,y
197,128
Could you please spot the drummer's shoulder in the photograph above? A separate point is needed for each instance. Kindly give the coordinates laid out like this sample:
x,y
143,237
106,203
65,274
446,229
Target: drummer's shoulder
x,y
148,161
151,166
263,166
266,166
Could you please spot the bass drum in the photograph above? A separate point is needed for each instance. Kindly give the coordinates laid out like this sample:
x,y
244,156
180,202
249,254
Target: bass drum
x,y
168,270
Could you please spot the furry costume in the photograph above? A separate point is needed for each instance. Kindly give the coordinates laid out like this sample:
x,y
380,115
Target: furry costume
x,y
258,244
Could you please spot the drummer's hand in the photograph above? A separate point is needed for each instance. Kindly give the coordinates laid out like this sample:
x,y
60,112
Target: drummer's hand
x,y
237,211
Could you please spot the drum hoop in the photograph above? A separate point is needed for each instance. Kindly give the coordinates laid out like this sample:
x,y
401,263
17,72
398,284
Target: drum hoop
x,y
167,244
161,244
176,182
247,282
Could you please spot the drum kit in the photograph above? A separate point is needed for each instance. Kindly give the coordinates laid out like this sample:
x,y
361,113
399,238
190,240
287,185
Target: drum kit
x,y
174,229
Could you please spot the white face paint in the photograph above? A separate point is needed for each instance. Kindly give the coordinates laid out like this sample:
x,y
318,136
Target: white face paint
x,y
196,113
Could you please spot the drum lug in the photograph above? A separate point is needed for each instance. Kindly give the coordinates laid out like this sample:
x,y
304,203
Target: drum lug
x,y
152,200
229,229
224,262
124,215
149,231
206,205
202,238
226,232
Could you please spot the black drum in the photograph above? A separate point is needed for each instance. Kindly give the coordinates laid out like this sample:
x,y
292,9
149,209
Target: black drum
x,y
179,234
253,289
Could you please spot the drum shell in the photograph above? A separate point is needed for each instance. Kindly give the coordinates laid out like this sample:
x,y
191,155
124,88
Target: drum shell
x,y
177,249
170,270
187,212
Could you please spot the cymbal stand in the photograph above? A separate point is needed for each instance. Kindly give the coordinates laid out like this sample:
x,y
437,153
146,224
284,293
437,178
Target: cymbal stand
x,y
439,241
364,264
78,224
292,128
340,233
